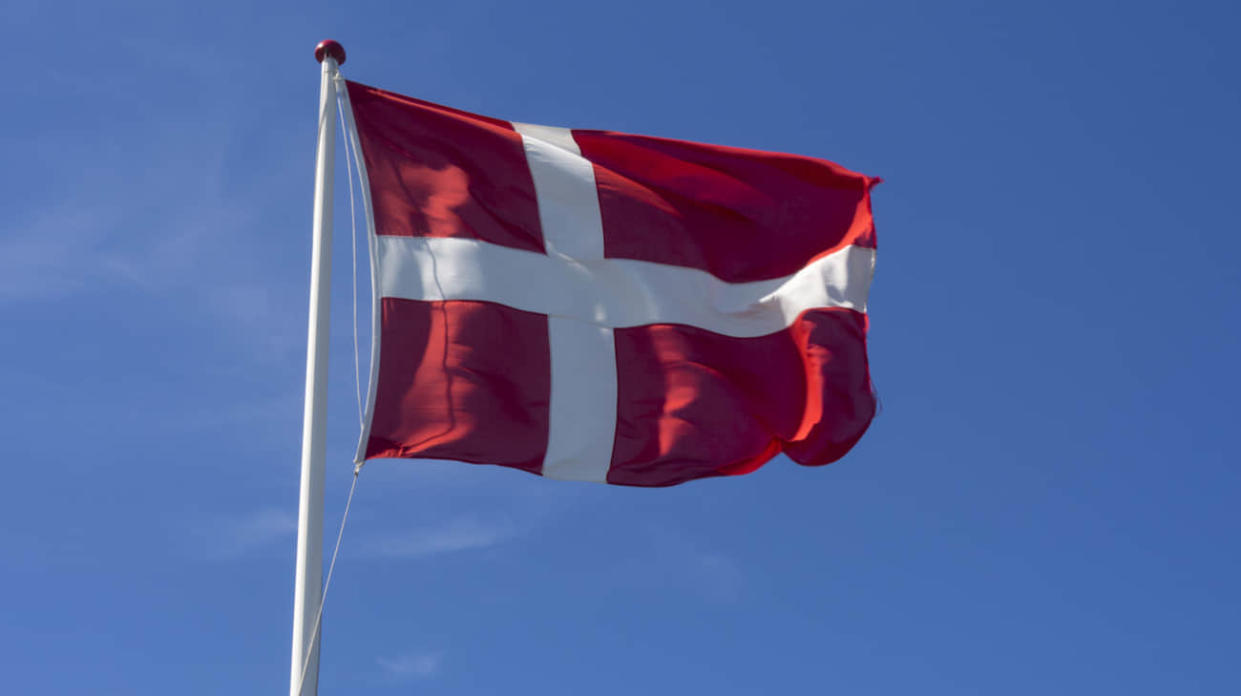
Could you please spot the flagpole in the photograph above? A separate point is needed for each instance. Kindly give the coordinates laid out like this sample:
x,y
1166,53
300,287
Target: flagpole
x,y
307,591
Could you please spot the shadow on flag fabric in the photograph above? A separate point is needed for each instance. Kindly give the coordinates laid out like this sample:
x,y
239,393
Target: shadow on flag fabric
x,y
597,306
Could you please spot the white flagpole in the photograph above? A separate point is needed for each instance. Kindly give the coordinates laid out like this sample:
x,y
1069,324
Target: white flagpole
x,y
308,589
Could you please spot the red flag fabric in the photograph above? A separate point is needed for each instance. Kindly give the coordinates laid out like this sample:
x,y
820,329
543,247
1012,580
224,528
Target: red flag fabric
x,y
590,305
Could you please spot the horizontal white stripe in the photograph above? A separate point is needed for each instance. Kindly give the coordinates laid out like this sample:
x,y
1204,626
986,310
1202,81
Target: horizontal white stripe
x,y
618,293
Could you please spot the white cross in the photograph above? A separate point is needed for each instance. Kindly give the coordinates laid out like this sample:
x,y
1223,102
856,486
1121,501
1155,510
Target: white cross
x,y
586,296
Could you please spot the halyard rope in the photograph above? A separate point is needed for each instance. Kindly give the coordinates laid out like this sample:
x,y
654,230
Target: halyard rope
x,y
327,582
353,248
357,378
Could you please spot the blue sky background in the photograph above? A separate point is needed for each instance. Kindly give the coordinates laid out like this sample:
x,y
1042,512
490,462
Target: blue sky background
x,y
1048,501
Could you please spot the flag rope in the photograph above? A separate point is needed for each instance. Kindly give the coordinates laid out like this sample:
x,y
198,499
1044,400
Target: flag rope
x,y
327,582
350,151
353,249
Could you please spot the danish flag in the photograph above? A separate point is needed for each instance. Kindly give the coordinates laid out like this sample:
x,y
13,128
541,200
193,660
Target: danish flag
x,y
597,306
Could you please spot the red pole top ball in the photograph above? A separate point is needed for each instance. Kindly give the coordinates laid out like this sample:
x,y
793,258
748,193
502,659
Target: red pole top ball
x,y
330,47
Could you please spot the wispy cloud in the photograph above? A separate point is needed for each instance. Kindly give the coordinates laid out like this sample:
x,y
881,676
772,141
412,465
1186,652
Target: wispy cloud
x,y
55,254
413,665
719,577
234,538
154,212
677,562
456,536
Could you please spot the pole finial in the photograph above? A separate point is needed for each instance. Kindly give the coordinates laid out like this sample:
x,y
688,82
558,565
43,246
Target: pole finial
x,y
330,47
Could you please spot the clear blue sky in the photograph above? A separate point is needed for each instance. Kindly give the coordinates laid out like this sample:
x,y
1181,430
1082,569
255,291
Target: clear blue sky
x,y
1048,501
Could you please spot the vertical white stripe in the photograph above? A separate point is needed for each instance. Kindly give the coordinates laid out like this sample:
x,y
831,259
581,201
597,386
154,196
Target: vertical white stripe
x,y
564,182
582,423
582,413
